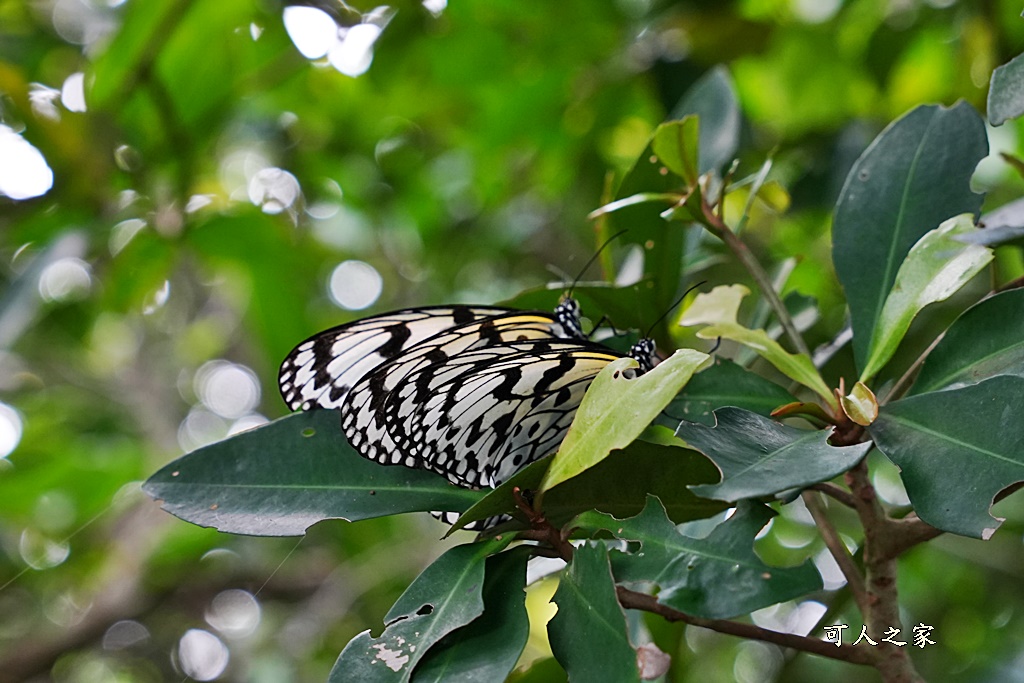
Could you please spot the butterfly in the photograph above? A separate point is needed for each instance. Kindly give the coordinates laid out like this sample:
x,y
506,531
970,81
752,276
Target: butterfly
x,y
471,393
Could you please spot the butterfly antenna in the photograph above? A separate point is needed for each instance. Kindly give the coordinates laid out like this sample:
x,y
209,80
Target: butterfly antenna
x,y
593,258
673,307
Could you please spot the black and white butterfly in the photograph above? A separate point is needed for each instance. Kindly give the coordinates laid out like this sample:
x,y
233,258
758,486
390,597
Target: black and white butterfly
x,y
471,393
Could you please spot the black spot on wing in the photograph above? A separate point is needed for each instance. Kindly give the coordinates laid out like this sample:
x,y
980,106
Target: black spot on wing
x,y
400,334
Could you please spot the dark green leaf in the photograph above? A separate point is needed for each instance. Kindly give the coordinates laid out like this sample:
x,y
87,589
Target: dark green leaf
x,y
487,648
723,384
624,307
760,457
661,241
1006,92
618,485
987,340
588,634
713,99
283,477
714,577
915,175
445,597
957,449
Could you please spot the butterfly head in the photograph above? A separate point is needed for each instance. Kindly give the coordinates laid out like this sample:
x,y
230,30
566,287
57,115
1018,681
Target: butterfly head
x,y
568,315
643,353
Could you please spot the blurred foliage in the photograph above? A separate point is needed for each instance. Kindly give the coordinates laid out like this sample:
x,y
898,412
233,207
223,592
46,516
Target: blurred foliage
x,y
215,180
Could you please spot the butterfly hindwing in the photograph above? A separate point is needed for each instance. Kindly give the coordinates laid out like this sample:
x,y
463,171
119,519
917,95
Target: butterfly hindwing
x,y
485,413
362,419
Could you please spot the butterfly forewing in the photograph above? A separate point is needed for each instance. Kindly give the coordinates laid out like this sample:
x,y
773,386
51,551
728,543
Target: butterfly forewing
x,y
320,371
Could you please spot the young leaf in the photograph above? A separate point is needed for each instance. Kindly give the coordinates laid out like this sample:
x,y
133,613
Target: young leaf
x,y
987,340
713,99
616,409
914,175
957,449
860,405
760,457
445,597
723,384
714,577
675,144
936,267
588,634
1006,92
281,478
718,310
487,648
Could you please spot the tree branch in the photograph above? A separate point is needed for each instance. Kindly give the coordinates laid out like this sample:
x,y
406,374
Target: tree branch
x,y
834,492
847,653
837,548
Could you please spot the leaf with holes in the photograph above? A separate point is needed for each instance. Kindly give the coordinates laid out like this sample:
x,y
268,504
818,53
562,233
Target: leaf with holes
x,y
281,478
487,648
447,595
714,577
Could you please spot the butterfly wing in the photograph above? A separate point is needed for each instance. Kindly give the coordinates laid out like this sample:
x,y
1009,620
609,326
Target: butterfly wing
x,y
362,417
485,413
319,371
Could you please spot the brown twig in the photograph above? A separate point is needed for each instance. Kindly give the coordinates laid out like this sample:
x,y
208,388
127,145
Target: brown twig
x,y
837,548
834,492
848,653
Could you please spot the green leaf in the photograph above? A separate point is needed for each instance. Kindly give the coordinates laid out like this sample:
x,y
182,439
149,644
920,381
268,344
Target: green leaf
x,y
713,99
936,267
144,29
588,634
616,409
675,145
625,307
714,577
487,648
760,457
660,241
618,485
957,449
718,309
281,478
915,175
723,384
1006,92
444,597
987,340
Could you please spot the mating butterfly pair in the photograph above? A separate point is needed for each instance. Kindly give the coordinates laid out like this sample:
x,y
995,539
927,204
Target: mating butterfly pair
x,y
473,393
